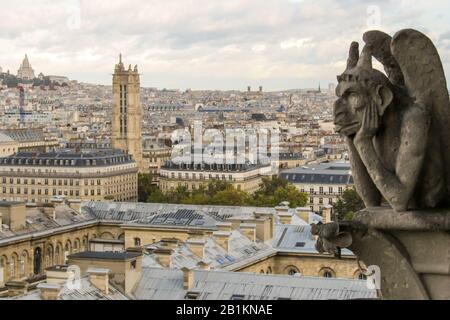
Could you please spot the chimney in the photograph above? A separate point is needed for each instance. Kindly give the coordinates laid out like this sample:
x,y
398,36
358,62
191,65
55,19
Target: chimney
x,y
266,216
203,265
169,243
75,205
224,226
164,257
188,278
57,274
222,238
249,88
197,246
326,213
13,214
249,230
17,287
304,214
283,214
99,277
49,291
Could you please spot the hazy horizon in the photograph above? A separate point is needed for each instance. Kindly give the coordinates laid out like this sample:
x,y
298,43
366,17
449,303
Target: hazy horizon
x,y
207,45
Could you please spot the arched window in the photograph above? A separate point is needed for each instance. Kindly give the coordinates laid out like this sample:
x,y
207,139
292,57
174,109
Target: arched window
x,y
67,250
12,267
360,276
23,264
269,270
107,235
137,242
327,273
76,245
48,256
3,269
58,254
291,270
37,260
85,243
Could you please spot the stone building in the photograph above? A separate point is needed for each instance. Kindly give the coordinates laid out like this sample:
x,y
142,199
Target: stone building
x,y
234,239
324,183
244,177
86,175
7,146
127,113
154,157
30,140
25,71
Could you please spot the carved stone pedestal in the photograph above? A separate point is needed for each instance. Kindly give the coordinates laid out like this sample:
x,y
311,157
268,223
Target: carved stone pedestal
x,y
412,250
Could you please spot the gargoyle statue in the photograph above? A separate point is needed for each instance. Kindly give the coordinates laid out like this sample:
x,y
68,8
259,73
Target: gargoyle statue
x,y
397,126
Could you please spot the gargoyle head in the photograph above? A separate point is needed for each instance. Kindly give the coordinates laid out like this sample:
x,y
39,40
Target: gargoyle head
x,y
359,86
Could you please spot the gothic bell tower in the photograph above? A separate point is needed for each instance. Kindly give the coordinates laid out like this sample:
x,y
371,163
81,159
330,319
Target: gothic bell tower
x,y
127,113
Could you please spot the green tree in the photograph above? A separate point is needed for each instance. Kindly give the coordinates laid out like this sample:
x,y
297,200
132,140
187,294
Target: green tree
x,y
179,195
157,196
348,204
216,186
275,190
230,197
145,186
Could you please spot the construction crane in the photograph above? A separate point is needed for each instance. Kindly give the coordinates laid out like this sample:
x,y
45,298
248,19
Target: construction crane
x,y
22,105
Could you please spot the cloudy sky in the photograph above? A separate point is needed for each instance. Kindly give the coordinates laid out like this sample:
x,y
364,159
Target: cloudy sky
x,y
206,44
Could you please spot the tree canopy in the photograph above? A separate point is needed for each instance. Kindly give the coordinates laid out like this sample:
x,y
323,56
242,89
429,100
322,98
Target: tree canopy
x,y
348,204
272,191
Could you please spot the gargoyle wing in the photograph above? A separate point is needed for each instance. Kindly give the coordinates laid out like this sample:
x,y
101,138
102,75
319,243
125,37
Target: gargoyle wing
x,y
425,82
380,47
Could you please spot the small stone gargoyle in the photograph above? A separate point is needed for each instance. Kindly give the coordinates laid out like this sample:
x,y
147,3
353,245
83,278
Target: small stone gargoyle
x,y
330,238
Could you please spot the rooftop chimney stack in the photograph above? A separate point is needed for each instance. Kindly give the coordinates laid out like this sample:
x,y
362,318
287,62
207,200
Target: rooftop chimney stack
x,y
188,278
75,204
164,257
203,265
249,230
170,243
13,215
224,226
268,219
197,246
99,277
223,239
49,291
283,214
304,214
326,213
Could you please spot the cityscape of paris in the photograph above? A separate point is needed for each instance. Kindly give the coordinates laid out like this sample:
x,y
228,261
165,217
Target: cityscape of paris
x,y
208,152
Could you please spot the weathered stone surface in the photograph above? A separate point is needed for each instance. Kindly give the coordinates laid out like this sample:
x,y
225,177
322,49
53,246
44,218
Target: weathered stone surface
x,y
397,129
411,248
397,126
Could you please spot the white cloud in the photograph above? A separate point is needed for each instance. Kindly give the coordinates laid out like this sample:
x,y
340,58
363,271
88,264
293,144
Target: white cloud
x,y
224,44
296,43
259,47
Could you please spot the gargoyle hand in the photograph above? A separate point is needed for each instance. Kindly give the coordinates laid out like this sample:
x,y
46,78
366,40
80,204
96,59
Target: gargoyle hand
x,y
370,123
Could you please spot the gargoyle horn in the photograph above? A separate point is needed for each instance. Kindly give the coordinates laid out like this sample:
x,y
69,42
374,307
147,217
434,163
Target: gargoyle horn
x,y
365,59
353,55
